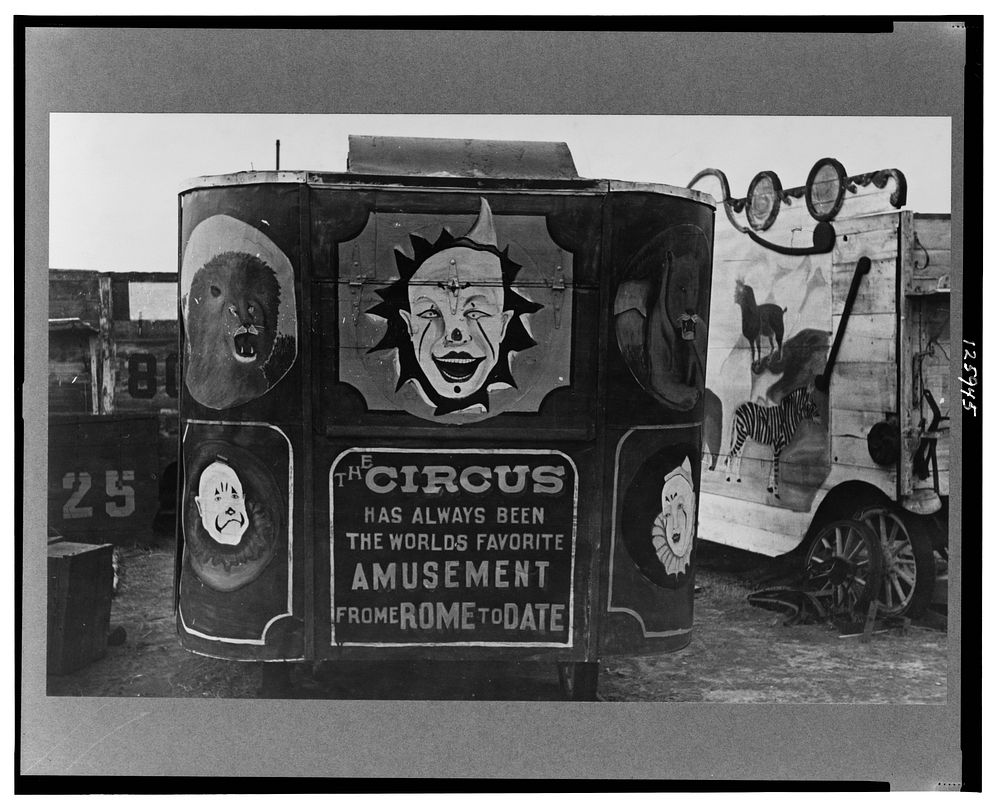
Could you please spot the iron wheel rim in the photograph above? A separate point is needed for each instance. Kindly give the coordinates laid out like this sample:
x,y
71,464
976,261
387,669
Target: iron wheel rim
x,y
843,568
899,573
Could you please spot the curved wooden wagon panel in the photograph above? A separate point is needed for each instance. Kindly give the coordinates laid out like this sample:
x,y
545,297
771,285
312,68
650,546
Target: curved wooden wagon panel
x,y
451,401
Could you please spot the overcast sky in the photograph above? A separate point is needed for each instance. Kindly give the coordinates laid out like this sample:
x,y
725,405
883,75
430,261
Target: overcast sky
x,y
114,178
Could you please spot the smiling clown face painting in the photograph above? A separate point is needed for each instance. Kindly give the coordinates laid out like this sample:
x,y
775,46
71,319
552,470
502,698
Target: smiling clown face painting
x,y
454,318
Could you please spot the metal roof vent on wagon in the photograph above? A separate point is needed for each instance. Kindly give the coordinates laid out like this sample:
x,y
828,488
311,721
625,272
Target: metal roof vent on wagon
x,y
438,162
469,159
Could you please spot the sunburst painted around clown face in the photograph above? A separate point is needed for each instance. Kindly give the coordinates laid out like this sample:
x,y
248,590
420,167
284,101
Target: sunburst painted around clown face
x,y
454,319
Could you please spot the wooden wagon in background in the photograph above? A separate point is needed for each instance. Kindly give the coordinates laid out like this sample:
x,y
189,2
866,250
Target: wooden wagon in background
x,y
112,443
827,410
112,404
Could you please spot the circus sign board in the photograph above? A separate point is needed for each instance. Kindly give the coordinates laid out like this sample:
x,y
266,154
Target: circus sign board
x,y
456,547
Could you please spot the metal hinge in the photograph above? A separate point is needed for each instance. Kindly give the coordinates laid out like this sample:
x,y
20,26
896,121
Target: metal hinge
x,y
356,285
557,286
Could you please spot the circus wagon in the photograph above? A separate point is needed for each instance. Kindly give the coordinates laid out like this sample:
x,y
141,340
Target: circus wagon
x,y
446,404
828,384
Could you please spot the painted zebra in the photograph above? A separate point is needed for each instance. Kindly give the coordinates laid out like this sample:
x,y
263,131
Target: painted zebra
x,y
770,425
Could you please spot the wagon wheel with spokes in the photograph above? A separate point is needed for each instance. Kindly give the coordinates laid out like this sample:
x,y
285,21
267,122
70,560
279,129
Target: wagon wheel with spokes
x,y
907,557
844,566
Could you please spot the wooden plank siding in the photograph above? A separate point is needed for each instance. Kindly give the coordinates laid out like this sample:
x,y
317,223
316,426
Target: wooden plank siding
x,y
875,237
867,339
864,391
863,386
106,346
740,513
925,308
909,340
939,257
934,231
855,424
103,476
146,365
928,269
866,224
880,244
751,523
877,291
73,294
930,320
851,450
127,363
71,377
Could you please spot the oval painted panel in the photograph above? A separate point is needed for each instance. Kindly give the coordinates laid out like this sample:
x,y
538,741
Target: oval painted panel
x,y
238,303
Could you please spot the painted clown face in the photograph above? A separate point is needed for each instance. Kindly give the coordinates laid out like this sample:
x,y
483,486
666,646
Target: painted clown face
x,y
673,529
222,504
456,319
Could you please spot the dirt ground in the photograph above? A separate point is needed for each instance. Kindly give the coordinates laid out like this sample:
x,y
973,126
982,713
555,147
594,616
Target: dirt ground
x,y
739,653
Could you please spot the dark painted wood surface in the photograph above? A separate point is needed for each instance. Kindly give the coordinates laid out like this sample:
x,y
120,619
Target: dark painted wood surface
x,y
79,605
423,156
318,228
139,358
103,476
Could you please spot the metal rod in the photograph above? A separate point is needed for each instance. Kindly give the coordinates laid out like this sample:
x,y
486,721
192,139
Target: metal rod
x,y
863,267
277,155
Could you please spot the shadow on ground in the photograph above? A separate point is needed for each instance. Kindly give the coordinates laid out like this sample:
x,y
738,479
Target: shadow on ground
x,y
738,654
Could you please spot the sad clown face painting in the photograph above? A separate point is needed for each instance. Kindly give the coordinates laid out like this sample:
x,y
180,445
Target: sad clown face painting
x,y
221,504
454,318
231,517
673,528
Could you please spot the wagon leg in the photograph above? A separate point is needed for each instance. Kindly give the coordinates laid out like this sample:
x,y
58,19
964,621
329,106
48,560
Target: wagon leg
x,y
578,680
275,680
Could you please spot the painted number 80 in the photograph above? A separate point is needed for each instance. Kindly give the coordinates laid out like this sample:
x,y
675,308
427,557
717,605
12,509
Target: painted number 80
x,y
142,375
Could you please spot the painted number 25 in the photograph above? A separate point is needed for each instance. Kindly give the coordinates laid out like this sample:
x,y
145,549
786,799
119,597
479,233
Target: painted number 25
x,y
114,487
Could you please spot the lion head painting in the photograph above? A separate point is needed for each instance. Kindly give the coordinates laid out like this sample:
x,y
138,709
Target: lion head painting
x,y
239,313
660,309
454,318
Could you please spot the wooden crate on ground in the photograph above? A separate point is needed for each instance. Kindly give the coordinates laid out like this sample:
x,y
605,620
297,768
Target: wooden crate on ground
x,y
79,601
